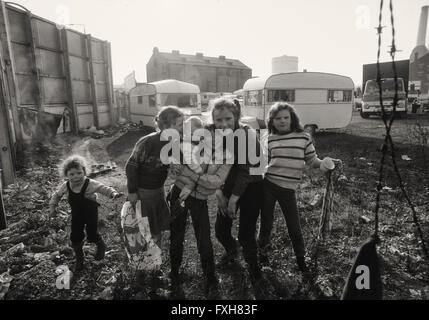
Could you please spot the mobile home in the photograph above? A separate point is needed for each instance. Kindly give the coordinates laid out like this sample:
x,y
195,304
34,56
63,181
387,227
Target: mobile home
x,y
146,99
322,100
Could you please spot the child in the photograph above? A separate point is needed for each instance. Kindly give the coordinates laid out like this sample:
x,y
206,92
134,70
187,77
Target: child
x,y
194,189
81,192
192,153
146,173
188,153
289,149
242,191
189,147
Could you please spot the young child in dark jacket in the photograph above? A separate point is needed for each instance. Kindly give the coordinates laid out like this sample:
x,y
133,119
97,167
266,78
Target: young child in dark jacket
x,y
146,173
82,197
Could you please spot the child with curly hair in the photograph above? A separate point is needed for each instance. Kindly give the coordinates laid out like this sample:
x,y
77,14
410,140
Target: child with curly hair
x,y
81,192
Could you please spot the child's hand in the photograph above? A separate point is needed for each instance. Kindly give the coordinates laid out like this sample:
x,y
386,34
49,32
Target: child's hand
x,y
222,202
133,198
232,207
117,195
184,194
337,162
327,165
198,170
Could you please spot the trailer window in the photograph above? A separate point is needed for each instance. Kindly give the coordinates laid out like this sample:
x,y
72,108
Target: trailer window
x,y
179,100
140,99
253,98
337,96
281,95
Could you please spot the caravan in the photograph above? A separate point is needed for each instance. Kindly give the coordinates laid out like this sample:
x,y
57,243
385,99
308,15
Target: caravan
x,y
322,100
147,99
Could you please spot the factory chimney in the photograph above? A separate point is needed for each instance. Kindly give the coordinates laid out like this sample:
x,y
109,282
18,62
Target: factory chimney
x,y
423,25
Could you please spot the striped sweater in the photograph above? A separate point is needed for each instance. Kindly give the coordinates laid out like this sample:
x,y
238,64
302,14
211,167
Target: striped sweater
x,y
287,156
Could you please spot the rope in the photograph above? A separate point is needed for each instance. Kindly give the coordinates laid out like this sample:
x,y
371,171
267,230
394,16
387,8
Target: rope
x,y
325,224
325,219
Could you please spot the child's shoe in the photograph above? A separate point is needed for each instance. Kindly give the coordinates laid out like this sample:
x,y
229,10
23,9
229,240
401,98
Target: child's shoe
x,y
101,249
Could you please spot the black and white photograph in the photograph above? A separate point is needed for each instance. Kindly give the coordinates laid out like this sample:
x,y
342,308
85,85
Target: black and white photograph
x,y
241,152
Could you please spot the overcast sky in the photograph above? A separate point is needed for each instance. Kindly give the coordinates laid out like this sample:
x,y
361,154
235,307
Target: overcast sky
x,y
336,36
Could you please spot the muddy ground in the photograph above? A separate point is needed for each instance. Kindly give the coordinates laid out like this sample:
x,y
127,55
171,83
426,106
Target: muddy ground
x,y
35,245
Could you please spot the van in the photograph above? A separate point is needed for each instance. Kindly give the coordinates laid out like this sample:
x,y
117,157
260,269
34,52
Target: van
x,y
371,98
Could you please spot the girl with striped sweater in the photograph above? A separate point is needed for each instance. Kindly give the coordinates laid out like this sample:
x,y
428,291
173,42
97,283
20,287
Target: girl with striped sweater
x,y
289,150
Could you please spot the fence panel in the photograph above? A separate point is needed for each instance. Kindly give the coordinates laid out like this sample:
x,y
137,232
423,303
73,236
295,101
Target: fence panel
x,y
58,70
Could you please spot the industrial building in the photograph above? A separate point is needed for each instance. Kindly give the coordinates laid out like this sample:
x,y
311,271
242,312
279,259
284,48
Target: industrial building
x,y
414,71
284,64
210,74
419,62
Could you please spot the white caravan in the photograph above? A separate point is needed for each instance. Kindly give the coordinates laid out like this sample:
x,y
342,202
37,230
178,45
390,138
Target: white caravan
x,y
147,99
322,100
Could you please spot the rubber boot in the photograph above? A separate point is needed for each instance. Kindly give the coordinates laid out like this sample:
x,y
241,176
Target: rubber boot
x,y
78,252
101,249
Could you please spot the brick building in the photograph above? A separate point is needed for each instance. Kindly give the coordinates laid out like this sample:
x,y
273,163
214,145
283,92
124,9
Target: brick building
x,y
210,74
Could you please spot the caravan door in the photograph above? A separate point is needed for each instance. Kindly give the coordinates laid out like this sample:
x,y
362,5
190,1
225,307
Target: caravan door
x,y
254,98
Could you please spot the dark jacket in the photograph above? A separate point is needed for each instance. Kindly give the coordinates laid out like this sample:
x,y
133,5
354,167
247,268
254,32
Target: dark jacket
x,y
239,176
144,168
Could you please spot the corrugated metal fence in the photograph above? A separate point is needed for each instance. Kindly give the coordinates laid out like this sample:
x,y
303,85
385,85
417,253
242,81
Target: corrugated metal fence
x,y
50,73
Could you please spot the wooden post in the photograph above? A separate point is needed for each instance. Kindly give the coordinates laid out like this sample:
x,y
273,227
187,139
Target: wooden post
x,y
31,36
109,80
6,151
9,68
74,117
3,222
128,103
93,80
